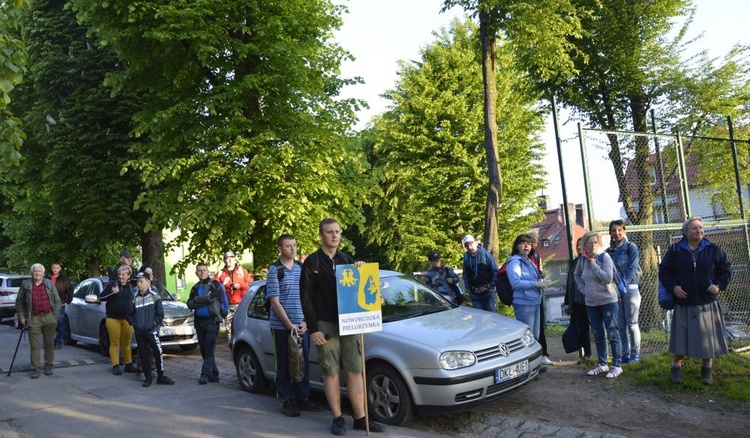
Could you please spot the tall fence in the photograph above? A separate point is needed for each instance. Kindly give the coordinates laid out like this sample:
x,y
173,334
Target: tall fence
x,y
659,180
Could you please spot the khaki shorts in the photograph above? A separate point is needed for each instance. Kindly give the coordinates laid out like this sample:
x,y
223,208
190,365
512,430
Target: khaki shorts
x,y
339,352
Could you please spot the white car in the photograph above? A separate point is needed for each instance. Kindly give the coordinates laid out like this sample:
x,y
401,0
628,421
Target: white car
x,y
9,285
432,356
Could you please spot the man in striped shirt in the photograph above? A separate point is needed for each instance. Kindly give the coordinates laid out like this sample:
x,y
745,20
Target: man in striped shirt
x,y
282,291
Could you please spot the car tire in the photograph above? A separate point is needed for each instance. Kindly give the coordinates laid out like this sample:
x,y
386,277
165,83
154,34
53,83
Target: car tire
x,y
188,347
388,397
67,338
249,371
103,340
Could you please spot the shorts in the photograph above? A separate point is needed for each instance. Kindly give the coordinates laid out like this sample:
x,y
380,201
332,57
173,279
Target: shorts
x,y
339,352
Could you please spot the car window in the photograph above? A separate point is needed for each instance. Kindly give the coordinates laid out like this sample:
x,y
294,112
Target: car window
x,y
403,297
257,308
16,282
84,288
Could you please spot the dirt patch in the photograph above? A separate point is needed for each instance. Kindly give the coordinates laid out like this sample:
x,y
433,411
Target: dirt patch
x,y
566,396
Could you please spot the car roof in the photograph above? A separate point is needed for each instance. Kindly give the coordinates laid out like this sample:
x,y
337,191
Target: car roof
x,y
15,276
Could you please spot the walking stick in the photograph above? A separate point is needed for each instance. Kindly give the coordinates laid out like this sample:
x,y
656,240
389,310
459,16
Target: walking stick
x,y
23,329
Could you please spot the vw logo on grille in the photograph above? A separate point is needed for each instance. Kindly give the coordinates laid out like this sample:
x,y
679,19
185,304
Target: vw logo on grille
x,y
503,349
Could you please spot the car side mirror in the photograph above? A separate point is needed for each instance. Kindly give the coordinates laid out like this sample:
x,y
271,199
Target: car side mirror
x,y
91,299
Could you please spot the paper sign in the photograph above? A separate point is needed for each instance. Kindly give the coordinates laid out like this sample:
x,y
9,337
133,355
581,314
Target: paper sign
x,y
358,291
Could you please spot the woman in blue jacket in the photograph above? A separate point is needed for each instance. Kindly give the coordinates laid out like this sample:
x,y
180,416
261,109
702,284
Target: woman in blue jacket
x,y
695,270
527,284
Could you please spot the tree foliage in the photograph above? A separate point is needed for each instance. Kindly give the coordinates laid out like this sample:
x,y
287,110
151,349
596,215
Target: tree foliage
x,y
429,150
247,133
12,69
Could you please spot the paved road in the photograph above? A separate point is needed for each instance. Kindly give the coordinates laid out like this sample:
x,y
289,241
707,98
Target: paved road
x,y
84,399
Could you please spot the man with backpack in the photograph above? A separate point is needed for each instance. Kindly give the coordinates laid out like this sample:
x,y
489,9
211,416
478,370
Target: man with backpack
x,y
209,300
282,291
443,279
626,257
480,270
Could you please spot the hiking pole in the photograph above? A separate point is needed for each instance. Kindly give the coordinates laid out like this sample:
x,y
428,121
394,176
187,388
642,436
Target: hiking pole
x,y
23,329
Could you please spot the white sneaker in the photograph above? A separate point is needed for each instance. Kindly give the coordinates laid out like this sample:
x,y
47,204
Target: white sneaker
x,y
614,372
599,369
546,361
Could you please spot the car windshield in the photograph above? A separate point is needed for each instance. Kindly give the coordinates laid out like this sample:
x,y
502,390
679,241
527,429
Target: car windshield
x,y
404,297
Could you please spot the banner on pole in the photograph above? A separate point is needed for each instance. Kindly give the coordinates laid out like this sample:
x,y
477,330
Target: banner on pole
x,y
358,290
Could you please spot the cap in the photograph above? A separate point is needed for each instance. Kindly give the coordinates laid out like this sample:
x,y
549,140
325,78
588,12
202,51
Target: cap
x,y
125,253
433,256
143,275
228,254
468,239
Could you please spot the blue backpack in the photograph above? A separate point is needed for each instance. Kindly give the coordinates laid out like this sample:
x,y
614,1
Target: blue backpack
x,y
619,278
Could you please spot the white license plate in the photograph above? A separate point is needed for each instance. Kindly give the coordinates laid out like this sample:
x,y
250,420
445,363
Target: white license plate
x,y
511,372
176,331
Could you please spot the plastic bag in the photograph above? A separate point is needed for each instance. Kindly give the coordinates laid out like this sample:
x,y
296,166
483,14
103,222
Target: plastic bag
x,y
296,356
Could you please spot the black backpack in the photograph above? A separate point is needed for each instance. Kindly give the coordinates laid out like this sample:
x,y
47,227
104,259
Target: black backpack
x,y
280,276
504,289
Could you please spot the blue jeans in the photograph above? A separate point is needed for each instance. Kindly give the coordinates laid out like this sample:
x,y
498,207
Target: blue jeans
x,y
286,387
530,315
627,321
486,301
60,327
604,318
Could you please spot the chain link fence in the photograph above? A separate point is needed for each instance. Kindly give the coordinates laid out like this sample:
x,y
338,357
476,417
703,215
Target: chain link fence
x,y
657,181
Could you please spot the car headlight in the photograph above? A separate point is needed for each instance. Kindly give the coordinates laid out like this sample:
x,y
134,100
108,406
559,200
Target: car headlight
x,y
453,360
190,320
528,338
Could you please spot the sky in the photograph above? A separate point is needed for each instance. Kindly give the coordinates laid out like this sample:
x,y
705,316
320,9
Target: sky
x,y
379,33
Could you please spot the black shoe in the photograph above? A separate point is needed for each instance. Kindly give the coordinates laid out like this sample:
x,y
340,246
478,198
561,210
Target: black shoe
x,y
675,375
130,368
164,380
58,346
308,406
48,370
146,383
203,380
707,375
374,427
339,426
34,374
116,370
289,409
214,379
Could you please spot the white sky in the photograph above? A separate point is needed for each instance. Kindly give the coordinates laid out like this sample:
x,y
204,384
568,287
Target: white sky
x,y
381,32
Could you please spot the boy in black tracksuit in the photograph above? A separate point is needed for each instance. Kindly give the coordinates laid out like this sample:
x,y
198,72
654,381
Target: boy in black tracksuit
x,y
146,314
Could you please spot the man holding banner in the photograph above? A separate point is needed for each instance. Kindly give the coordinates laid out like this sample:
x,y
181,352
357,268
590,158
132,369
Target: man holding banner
x,y
335,353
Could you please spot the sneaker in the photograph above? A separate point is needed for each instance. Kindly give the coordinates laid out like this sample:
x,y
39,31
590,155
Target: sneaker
x,y
599,369
289,409
164,380
625,359
58,346
338,427
374,427
675,374
48,370
203,380
116,370
707,375
614,372
308,406
146,383
34,374
634,358
130,368
546,361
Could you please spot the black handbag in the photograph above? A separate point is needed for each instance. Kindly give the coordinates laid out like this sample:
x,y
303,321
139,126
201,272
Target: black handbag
x,y
570,337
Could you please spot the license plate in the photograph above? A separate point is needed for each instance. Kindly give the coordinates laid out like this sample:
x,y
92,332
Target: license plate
x,y
176,331
511,372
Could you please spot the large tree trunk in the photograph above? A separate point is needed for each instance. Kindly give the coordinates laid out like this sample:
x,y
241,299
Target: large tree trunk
x,y
494,192
152,245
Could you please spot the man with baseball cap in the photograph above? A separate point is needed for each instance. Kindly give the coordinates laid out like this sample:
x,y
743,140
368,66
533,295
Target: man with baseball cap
x,y
443,279
236,281
480,270
125,260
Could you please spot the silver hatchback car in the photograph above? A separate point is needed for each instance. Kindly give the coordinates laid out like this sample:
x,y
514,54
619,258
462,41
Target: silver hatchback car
x,y
432,356
85,319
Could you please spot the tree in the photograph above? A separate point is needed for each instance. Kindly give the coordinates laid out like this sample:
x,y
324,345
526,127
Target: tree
x,y
69,201
428,150
247,133
539,31
12,69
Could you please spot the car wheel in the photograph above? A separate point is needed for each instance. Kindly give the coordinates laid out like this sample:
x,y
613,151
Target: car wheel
x,y
67,338
388,397
249,372
189,347
103,340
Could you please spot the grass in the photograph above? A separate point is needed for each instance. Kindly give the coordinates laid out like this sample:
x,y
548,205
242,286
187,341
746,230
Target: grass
x,y
731,376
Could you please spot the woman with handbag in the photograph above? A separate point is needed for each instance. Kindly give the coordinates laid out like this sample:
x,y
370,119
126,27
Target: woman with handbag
x,y
695,271
594,276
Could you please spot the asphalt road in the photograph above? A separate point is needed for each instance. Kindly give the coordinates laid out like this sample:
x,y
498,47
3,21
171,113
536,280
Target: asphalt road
x,y
84,399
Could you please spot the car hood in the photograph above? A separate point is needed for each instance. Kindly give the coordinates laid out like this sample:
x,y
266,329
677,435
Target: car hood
x,y
175,309
462,328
